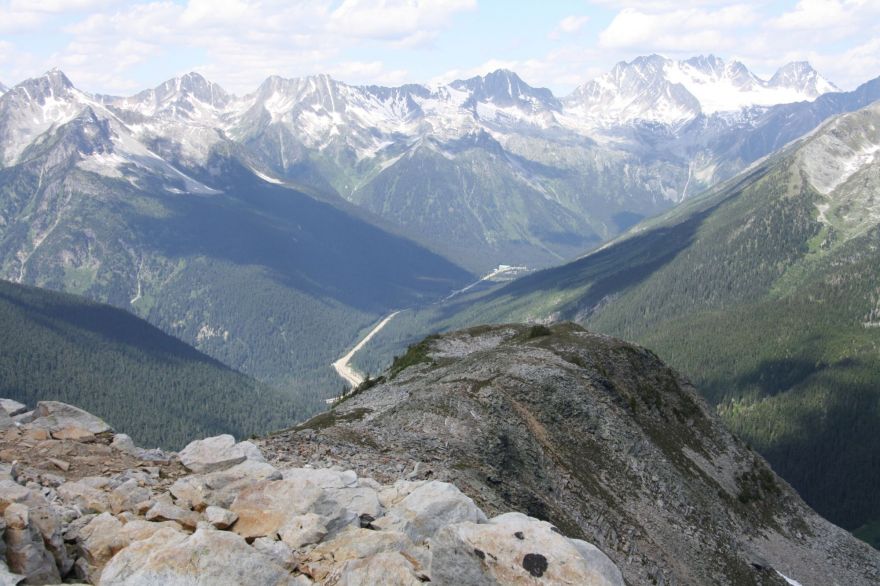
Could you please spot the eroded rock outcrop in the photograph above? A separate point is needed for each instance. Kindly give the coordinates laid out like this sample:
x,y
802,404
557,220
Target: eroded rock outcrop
x,y
219,514
595,435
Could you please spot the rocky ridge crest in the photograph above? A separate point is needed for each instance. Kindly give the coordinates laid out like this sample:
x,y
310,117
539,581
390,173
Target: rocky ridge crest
x,y
595,435
79,503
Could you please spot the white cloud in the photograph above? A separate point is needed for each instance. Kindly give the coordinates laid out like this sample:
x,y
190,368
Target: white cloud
x,y
569,25
677,30
816,14
394,20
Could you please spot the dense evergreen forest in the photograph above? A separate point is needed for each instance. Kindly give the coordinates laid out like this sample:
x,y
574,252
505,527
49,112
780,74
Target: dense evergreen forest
x,y
143,382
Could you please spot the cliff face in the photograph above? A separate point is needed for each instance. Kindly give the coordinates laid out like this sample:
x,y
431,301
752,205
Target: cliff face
x,y
598,437
80,503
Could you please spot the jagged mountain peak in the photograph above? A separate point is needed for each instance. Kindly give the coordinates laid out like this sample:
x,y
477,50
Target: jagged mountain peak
x,y
654,88
800,76
177,95
503,87
53,83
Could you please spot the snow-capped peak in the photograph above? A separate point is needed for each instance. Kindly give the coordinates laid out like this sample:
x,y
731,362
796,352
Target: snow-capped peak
x,y
188,96
3,89
656,89
801,77
505,88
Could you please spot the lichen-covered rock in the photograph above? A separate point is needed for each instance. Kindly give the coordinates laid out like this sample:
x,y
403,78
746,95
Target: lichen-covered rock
x,y
516,549
207,557
217,453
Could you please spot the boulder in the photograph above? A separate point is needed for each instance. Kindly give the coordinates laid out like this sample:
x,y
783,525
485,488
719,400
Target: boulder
x,y
516,549
265,507
7,578
302,530
220,488
389,568
6,422
85,495
164,511
124,444
277,551
355,543
12,408
138,529
217,453
323,477
64,421
99,541
429,507
219,558
26,553
128,496
219,517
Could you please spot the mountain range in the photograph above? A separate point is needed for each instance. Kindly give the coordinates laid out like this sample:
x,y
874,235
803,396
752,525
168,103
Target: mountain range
x,y
270,230
763,291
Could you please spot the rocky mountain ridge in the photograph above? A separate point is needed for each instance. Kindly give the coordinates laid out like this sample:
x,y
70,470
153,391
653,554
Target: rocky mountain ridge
x,y
595,435
78,502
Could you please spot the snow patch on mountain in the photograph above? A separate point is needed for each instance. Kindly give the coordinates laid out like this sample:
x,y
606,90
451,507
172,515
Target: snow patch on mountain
x,y
655,89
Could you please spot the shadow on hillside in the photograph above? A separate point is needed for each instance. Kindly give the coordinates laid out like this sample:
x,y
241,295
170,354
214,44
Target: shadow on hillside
x,y
302,243
68,318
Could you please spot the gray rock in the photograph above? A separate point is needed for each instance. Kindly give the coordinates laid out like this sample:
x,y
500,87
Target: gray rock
x,y
277,551
169,558
12,408
65,421
428,508
219,517
220,488
302,530
8,578
128,496
84,495
26,553
163,511
217,453
516,549
98,542
6,422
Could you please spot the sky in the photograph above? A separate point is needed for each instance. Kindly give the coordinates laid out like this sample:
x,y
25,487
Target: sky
x,y
117,47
